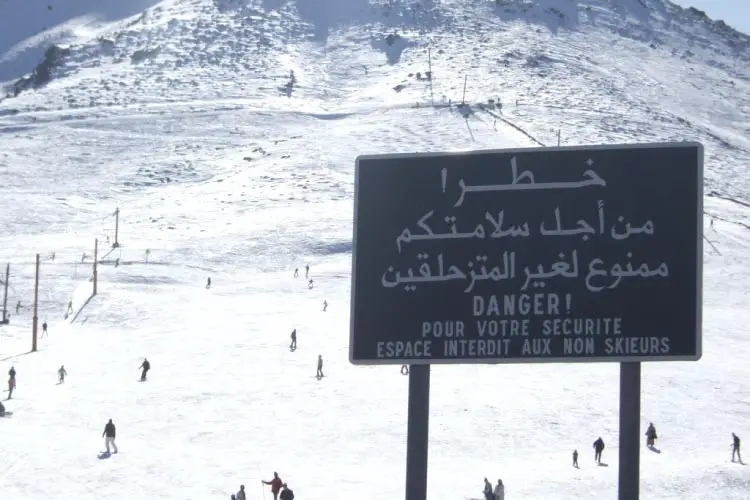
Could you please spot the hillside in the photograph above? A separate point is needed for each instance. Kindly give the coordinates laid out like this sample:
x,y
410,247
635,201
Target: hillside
x,y
226,133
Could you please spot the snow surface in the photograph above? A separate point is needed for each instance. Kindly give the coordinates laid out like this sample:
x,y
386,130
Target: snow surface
x,y
182,117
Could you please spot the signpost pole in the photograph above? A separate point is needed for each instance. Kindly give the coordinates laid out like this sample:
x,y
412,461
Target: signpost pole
x,y
417,433
630,439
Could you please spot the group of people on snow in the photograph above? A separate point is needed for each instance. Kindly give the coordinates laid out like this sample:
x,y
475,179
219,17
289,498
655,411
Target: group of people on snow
x,y
496,493
279,489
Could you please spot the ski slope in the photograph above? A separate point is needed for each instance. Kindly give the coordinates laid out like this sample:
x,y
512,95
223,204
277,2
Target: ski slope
x,y
184,123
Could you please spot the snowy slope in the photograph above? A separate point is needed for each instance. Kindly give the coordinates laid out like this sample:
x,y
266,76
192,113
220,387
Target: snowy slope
x,y
184,121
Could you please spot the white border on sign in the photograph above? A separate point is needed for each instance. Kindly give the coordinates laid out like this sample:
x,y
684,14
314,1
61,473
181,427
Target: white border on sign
x,y
537,360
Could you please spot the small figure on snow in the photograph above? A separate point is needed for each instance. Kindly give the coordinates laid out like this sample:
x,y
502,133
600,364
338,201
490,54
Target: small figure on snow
x,y
325,305
18,307
240,494
145,366
500,490
61,374
293,345
109,435
736,447
598,449
208,283
575,458
307,271
487,490
310,284
44,329
296,272
11,381
651,435
70,308
319,373
275,484
286,493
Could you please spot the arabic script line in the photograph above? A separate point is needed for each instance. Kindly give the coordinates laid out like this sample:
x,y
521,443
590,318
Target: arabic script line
x,y
620,230
525,181
597,276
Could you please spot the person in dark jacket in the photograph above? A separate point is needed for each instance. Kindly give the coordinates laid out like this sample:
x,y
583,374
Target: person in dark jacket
x,y
651,435
145,366
241,494
293,345
286,493
109,434
598,449
275,485
736,447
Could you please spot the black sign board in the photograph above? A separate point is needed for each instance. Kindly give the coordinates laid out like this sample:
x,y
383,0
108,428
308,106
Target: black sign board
x,y
586,253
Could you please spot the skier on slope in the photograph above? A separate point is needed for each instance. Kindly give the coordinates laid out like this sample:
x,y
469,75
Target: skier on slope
x,y
61,374
575,458
598,449
275,484
145,366
293,345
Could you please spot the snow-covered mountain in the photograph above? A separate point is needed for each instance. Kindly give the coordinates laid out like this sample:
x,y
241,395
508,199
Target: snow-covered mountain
x,y
226,131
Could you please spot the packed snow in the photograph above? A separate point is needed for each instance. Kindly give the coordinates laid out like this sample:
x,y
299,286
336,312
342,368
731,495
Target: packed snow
x,y
226,132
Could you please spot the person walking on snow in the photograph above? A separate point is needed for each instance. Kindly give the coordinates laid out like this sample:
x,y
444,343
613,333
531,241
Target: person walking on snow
x,y
208,283
44,328
11,381
651,435
61,374
500,490
325,305
575,458
736,447
319,373
487,490
307,271
275,485
296,272
598,449
145,366
240,494
109,435
293,345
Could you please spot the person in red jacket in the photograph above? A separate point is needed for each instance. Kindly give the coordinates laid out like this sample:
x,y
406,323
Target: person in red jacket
x,y
275,485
